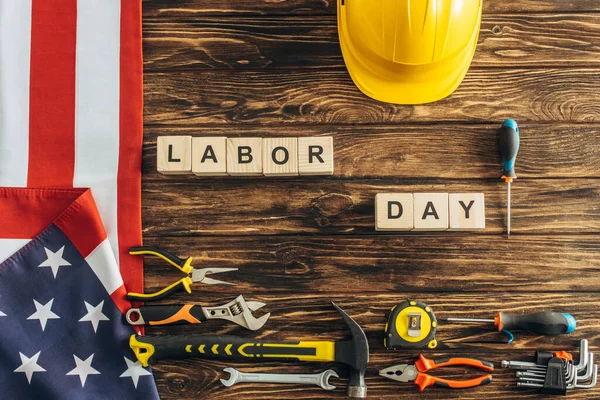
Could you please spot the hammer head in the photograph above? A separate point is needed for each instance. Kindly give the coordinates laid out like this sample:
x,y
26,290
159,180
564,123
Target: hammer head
x,y
355,354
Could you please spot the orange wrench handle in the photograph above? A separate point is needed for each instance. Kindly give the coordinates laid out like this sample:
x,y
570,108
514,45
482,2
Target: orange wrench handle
x,y
424,380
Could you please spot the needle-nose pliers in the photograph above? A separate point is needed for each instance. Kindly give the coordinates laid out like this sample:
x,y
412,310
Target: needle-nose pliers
x,y
193,275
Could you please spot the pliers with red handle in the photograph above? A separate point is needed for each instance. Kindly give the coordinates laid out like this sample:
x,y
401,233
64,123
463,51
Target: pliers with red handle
x,y
416,372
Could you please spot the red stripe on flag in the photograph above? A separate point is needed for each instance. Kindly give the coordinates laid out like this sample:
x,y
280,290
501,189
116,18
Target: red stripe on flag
x,y
119,297
129,219
27,212
81,223
52,93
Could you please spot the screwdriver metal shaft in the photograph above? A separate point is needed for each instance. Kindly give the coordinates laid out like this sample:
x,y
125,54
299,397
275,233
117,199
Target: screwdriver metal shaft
x,y
508,211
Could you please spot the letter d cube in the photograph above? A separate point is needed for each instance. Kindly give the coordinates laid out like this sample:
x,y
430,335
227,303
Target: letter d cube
x,y
394,212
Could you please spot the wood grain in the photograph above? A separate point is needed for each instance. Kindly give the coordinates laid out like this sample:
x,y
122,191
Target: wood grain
x,y
310,317
324,97
321,206
453,150
292,265
262,68
263,43
177,9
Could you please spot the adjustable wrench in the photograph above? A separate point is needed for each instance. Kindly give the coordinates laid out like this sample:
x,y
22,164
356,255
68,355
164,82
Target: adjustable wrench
x,y
305,379
238,311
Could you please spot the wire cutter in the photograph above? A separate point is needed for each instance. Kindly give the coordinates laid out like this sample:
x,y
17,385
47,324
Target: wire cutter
x,y
416,372
193,275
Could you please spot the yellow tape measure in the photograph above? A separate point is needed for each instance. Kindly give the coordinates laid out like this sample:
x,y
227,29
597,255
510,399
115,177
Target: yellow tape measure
x,y
411,324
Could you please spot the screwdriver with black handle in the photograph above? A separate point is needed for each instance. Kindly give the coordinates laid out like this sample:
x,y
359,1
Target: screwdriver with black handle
x,y
509,147
544,323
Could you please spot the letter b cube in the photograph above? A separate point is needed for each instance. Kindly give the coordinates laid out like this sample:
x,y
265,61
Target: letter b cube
x,y
244,156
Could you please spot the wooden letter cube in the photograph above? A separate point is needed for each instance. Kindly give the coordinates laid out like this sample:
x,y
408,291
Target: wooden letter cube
x,y
174,154
244,156
467,211
280,156
431,211
315,155
394,212
209,156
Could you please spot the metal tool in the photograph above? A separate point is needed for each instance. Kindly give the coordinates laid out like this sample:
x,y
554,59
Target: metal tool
x,y
321,379
544,323
411,324
193,275
509,147
353,353
556,372
416,372
238,311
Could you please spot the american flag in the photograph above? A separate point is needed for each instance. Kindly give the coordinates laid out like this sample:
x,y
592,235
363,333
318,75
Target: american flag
x,y
71,95
62,330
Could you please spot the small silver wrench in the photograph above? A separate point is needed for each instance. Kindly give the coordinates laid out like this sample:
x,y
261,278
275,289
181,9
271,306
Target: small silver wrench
x,y
320,379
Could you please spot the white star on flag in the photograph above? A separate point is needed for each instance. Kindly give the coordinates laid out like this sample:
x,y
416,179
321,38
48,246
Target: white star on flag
x,y
83,369
2,314
94,314
43,313
134,371
29,365
55,260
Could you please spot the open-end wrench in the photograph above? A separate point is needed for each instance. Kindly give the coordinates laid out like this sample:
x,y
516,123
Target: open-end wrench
x,y
320,379
238,311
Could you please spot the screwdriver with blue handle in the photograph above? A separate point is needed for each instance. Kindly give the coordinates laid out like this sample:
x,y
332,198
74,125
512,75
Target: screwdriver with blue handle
x,y
509,147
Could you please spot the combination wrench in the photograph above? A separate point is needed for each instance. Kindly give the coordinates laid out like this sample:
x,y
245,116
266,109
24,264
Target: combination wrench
x,y
321,379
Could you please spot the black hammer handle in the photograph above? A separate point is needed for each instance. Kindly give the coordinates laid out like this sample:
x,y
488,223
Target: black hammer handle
x,y
149,349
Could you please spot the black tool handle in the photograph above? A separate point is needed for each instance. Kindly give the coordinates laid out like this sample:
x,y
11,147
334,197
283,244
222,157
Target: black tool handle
x,y
149,349
172,314
181,285
544,323
509,147
157,251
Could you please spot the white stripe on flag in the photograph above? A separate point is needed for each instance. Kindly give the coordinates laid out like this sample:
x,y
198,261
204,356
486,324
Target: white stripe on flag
x,y
15,50
8,247
97,107
103,263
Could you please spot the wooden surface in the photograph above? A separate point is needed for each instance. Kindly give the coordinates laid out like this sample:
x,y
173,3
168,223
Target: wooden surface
x,y
261,68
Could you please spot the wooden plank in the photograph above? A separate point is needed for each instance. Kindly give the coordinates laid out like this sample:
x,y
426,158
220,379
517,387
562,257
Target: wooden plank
x,y
306,96
255,43
310,317
470,151
203,8
310,206
290,265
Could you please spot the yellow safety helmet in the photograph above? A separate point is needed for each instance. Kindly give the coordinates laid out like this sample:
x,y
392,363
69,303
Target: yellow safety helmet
x,y
408,51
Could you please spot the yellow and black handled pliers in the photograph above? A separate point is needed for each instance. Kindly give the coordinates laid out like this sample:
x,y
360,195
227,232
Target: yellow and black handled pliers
x,y
193,275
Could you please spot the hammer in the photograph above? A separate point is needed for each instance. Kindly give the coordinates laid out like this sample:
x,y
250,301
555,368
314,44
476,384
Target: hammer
x,y
354,353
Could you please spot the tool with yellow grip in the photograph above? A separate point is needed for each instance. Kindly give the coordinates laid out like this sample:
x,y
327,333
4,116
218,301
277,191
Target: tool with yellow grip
x,y
411,325
354,353
193,275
